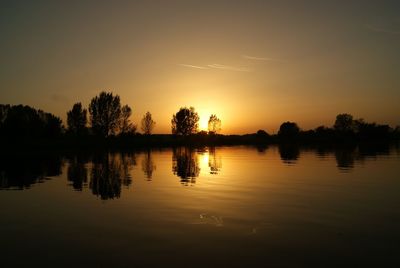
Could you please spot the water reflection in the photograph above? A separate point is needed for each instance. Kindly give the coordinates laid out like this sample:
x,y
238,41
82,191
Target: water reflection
x,y
18,172
109,172
261,148
345,158
214,161
289,153
148,165
185,164
104,174
77,172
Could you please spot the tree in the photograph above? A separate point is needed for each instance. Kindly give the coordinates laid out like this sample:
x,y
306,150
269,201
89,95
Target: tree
x,y
288,130
106,115
77,119
147,124
344,123
126,126
52,124
3,113
214,124
185,122
262,133
24,121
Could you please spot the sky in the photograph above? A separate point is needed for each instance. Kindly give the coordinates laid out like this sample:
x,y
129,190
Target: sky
x,y
255,64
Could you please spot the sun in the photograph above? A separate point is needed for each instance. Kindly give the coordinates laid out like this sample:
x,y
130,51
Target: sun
x,y
204,115
203,122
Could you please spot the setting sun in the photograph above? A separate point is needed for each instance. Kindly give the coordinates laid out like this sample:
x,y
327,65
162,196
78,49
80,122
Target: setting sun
x,y
241,133
203,122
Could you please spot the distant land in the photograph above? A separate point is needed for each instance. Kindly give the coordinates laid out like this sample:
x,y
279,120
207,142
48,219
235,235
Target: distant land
x,y
109,125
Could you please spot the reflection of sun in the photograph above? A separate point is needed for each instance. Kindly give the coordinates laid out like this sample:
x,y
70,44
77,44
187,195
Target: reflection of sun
x,y
204,159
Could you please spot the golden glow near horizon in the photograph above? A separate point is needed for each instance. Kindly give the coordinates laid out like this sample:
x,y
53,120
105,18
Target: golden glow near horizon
x,y
203,122
255,64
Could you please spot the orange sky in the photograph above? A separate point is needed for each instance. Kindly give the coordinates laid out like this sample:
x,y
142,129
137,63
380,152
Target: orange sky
x,y
253,63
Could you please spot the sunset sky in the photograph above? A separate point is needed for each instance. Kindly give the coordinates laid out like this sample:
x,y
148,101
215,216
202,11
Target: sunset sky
x,y
253,63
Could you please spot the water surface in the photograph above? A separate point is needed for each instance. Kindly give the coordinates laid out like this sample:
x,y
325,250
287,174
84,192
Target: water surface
x,y
209,207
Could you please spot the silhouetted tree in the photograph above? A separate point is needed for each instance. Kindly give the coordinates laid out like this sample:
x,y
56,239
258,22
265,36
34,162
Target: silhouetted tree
x,y
106,115
77,119
185,122
3,113
288,130
261,132
344,123
147,124
396,132
214,124
52,124
24,121
371,130
323,133
126,127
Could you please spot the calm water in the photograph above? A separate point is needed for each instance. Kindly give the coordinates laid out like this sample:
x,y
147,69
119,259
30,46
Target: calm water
x,y
211,207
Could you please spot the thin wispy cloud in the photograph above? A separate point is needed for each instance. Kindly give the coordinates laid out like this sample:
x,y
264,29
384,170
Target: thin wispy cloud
x,y
230,68
247,57
216,66
193,66
382,30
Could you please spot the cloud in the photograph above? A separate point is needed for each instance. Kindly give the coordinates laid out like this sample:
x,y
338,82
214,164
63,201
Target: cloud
x,y
230,68
382,30
193,66
217,66
260,58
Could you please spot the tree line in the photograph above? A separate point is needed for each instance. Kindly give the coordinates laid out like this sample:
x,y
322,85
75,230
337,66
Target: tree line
x,y
106,116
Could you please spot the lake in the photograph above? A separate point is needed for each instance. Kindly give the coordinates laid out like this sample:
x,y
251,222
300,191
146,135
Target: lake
x,y
276,206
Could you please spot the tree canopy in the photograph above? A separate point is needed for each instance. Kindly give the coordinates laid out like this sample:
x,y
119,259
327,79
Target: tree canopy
x,y
344,122
107,117
148,123
214,124
25,121
185,122
126,127
288,130
77,119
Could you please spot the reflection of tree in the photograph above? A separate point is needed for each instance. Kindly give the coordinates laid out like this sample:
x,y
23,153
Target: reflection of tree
x,y
214,161
77,172
289,153
345,158
373,150
261,148
109,173
22,171
148,165
185,164
126,162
